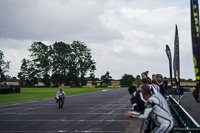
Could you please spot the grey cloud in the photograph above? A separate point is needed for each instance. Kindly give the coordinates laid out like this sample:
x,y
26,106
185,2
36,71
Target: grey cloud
x,y
125,36
36,20
12,44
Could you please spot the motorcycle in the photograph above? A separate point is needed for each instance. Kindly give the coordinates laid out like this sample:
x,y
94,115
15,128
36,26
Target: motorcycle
x,y
60,101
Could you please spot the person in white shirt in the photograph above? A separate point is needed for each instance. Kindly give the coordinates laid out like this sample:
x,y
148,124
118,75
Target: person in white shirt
x,y
153,89
154,85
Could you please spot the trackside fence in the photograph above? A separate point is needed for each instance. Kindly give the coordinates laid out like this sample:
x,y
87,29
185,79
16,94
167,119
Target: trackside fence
x,y
186,124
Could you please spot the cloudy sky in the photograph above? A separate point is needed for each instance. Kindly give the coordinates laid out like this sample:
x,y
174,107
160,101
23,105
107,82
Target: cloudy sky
x,y
126,36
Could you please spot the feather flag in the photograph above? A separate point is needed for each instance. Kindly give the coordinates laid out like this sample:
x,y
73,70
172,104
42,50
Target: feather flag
x,y
176,64
168,52
195,44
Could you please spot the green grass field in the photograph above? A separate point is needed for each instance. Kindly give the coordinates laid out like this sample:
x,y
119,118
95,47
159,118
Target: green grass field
x,y
34,94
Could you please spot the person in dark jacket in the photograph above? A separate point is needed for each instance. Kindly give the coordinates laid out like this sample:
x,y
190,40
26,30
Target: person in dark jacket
x,y
160,84
165,83
137,100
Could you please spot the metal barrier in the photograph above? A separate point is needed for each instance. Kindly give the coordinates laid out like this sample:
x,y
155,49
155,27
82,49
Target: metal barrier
x,y
185,122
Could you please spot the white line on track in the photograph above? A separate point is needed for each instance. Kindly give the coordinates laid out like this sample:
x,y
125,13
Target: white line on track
x,y
72,104
25,102
106,90
64,131
64,113
65,107
64,120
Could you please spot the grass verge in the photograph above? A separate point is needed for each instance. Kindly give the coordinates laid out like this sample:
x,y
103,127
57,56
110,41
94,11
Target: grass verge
x,y
34,94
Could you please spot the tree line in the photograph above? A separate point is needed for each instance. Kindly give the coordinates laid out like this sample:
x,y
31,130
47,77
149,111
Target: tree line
x,y
60,63
56,64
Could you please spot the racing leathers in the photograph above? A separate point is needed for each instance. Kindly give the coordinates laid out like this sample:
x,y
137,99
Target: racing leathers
x,y
138,102
154,88
158,110
60,94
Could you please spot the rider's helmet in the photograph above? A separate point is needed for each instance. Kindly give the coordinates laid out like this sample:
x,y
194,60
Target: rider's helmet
x,y
61,90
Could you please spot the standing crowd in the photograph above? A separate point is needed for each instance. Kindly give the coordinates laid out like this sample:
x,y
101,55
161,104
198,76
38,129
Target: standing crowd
x,y
148,102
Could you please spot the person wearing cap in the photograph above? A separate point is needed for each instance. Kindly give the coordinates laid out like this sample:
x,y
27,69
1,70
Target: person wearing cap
x,y
59,94
144,75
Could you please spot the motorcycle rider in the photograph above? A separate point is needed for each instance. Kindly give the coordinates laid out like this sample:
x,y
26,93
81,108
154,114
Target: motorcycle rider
x,y
60,94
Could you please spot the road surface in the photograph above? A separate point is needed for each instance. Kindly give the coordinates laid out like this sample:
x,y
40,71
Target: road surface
x,y
95,113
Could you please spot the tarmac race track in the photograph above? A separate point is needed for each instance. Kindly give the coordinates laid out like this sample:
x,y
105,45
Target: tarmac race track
x,y
95,113
191,106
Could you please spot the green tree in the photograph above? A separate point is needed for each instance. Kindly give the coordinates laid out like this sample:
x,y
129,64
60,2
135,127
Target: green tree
x,y
106,79
8,77
4,67
12,79
40,57
46,79
182,80
81,58
67,64
73,75
71,62
56,78
137,80
127,80
28,75
190,80
92,76
60,55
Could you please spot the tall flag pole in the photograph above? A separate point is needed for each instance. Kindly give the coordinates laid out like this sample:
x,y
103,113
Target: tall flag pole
x,y
195,45
168,52
176,61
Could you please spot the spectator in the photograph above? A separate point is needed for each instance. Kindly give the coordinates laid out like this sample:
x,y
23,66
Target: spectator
x,y
165,83
137,100
144,81
160,84
144,75
157,108
7,85
154,85
153,76
153,89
